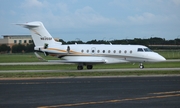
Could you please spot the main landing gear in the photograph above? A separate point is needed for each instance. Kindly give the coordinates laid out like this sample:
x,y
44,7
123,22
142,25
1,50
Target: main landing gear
x,y
80,67
141,66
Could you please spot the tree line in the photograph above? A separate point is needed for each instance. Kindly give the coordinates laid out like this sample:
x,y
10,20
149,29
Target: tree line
x,y
173,44
17,48
154,43
135,41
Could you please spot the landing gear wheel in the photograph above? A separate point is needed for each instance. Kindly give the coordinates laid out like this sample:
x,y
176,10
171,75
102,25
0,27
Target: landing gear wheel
x,y
80,67
89,66
141,66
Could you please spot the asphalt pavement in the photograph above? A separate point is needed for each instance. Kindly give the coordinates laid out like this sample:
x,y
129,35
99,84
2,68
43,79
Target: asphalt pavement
x,y
111,92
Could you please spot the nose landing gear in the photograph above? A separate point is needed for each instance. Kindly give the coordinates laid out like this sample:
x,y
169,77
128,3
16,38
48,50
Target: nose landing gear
x,y
141,66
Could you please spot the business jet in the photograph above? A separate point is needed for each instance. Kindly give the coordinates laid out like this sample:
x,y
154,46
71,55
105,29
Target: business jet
x,y
88,54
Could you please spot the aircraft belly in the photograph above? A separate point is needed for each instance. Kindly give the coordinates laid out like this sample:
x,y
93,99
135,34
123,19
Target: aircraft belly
x,y
136,59
84,59
94,59
109,60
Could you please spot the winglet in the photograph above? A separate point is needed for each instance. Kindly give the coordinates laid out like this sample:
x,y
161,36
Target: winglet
x,y
39,57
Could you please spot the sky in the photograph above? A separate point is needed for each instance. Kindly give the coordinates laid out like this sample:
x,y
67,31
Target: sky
x,y
94,19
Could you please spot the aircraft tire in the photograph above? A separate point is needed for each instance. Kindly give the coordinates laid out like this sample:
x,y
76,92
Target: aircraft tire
x,y
80,67
141,66
89,66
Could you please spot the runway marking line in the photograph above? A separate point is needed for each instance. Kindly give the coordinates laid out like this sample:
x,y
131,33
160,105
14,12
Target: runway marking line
x,y
167,95
161,93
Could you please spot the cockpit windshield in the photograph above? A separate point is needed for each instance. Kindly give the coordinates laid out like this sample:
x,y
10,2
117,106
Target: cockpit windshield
x,y
144,50
140,50
147,50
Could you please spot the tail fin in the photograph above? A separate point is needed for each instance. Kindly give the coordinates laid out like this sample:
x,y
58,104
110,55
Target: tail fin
x,y
39,33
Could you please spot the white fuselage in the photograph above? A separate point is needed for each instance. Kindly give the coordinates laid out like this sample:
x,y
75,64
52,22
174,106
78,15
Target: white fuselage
x,y
108,53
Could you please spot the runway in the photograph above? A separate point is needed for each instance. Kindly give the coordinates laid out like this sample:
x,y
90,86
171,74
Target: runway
x,y
124,92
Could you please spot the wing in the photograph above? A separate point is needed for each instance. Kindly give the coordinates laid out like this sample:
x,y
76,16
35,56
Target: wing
x,y
76,59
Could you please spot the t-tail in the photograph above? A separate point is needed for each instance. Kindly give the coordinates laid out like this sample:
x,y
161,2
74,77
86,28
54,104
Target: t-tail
x,y
40,35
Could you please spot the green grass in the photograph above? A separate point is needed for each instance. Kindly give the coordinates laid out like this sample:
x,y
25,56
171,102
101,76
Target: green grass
x,y
81,73
26,57
76,74
18,58
38,67
171,54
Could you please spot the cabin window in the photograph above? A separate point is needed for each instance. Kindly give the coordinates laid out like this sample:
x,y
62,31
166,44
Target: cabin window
x,y
92,51
147,50
103,51
131,51
109,51
140,50
87,51
114,51
98,51
82,51
125,51
119,51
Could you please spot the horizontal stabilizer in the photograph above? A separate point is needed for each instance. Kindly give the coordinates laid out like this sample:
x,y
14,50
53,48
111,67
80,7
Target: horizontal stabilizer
x,y
39,57
30,24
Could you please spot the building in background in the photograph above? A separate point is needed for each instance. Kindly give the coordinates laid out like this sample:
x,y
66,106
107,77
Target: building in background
x,y
11,40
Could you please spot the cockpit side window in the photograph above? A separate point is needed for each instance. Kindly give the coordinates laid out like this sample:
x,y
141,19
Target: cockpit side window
x,y
147,50
140,50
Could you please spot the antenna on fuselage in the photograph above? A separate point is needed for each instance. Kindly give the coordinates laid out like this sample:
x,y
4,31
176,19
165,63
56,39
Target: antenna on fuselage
x,y
110,40
77,40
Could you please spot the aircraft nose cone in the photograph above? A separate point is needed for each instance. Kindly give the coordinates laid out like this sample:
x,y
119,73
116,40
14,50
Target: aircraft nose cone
x,y
154,57
161,58
158,58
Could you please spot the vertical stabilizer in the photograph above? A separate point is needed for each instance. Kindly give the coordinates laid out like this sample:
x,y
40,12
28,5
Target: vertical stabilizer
x,y
40,35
